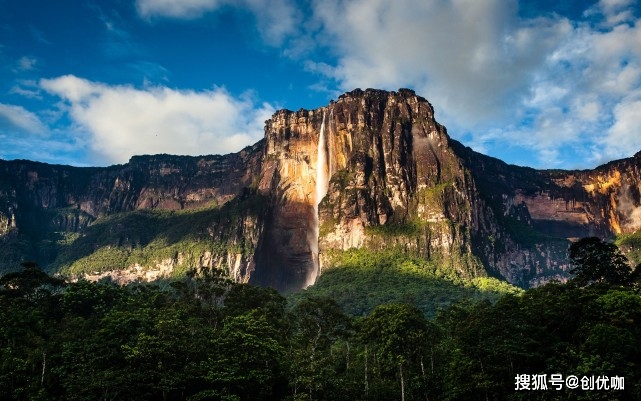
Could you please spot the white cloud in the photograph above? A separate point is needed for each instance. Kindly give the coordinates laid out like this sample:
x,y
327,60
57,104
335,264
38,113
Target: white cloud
x,y
122,121
72,88
469,57
496,78
176,9
276,19
26,63
549,83
624,136
17,117
587,108
26,88
616,11
615,4
600,71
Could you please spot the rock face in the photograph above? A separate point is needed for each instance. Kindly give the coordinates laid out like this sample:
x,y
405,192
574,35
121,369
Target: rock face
x,y
371,170
52,214
397,181
287,255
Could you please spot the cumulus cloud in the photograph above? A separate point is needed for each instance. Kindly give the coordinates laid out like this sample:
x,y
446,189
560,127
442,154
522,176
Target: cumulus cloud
x,y
614,11
593,76
559,87
496,78
276,19
469,57
122,121
624,136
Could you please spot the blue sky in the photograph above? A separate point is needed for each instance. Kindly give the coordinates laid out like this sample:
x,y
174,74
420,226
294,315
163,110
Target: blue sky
x,y
540,83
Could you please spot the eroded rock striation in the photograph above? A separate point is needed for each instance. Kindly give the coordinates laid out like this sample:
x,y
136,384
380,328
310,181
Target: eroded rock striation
x,y
371,170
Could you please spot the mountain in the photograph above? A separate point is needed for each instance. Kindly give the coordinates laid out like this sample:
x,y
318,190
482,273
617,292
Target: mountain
x,y
372,171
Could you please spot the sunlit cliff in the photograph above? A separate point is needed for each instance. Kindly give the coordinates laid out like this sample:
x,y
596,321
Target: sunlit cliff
x,y
371,170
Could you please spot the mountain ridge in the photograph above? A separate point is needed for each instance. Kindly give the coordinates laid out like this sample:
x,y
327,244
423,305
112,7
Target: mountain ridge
x,y
394,177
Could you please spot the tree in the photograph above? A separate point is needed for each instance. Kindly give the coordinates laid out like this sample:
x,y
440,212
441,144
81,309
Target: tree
x,y
31,283
397,334
28,314
635,278
246,360
597,261
319,349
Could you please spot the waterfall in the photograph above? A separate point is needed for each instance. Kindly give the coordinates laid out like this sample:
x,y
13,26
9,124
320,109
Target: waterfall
x,y
329,150
322,185
322,178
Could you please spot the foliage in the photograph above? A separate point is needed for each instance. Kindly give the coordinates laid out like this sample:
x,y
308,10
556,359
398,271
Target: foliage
x,y
630,244
597,261
366,279
320,345
207,338
392,229
397,336
148,237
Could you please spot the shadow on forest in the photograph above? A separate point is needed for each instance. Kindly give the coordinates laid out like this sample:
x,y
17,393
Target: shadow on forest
x,y
150,235
397,279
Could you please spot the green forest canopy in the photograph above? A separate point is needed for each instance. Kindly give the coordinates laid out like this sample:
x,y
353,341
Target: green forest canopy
x,y
207,338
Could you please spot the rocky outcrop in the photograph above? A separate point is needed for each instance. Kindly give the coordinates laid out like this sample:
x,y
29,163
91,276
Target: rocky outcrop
x,y
146,182
371,170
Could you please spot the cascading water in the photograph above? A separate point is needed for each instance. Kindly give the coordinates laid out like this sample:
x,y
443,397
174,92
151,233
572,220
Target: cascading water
x,y
322,185
322,178
329,150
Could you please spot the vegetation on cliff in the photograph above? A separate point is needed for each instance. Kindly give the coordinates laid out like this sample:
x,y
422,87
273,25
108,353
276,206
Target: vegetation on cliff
x,y
151,237
631,245
360,280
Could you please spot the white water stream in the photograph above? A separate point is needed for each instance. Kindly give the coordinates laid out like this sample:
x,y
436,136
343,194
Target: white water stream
x,y
322,173
322,185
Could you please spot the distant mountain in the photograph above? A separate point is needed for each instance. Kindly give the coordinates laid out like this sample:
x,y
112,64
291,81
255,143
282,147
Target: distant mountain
x,y
372,171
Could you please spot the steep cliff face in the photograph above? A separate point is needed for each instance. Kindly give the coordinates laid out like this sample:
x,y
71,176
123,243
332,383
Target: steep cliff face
x,y
57,214
542,210
396,179
160,181
382,161
393,179
372,170
287,254
396,182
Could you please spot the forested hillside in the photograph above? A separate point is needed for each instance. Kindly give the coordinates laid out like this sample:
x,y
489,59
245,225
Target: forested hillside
x,y
208,338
